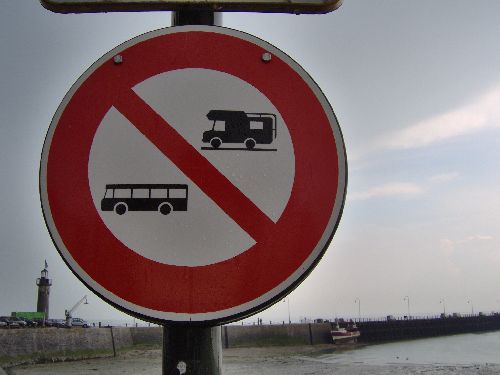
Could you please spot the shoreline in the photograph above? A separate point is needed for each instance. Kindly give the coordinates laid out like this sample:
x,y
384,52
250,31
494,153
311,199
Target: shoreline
x,y
290,360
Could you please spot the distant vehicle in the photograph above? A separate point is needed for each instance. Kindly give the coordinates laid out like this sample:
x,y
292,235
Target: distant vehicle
x,y
69,313
58,323
249,129
10,323
3,324
79,322
29,322
19,321
163,198
42,322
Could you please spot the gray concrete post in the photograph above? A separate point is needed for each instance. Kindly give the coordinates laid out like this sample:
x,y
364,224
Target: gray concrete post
x,y
192,350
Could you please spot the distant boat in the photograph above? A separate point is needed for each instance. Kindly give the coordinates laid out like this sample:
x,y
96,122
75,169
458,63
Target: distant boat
x,y
345,335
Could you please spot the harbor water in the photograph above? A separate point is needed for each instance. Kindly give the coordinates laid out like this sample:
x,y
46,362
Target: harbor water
x,y
464,349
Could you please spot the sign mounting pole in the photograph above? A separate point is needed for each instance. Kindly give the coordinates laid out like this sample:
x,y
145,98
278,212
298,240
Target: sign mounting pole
x,y
197,348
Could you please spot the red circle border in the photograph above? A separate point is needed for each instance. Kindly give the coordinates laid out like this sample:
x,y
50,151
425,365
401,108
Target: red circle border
x,y
220,286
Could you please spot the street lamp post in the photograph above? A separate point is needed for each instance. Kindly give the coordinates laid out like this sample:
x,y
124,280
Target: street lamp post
x,y
471,306
289,319
358,301
444,306
287,299
407,299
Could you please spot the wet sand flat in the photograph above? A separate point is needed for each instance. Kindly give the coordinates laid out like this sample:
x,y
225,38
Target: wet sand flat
x,y
251,361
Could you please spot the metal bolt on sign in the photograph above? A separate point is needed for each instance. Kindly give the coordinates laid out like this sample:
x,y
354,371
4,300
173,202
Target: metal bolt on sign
x,y
266,57
118,59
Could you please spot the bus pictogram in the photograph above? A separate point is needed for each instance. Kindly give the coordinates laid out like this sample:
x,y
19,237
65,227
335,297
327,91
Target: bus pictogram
x,y
163,198
248,129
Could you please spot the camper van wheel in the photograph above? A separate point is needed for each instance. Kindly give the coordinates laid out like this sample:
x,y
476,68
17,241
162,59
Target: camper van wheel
x,y
165,209
121,208
215,142
250,143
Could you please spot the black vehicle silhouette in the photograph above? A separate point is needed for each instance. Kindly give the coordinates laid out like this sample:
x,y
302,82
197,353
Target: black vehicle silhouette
x,y
240,127
163,198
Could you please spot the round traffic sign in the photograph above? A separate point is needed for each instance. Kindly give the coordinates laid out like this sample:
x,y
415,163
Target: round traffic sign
x,y
193,174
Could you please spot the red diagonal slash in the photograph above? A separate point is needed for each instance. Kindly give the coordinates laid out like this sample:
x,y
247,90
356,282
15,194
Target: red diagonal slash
x,y
195,166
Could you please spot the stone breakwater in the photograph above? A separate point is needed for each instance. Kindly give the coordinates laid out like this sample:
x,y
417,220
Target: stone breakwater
x,y
22,342
53,344
57,343
46,344
403,329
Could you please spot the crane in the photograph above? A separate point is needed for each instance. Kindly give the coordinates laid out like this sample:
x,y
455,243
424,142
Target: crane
x,y
69,312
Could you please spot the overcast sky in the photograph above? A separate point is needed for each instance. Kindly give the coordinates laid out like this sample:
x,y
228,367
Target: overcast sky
x,y
416,88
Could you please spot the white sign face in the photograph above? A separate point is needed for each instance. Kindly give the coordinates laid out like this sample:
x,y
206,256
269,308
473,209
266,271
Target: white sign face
x,y
193,174
278,6
121,154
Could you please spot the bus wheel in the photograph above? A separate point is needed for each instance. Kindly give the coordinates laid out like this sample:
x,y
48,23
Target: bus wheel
x,y
250,143
215,142
121,208
165,209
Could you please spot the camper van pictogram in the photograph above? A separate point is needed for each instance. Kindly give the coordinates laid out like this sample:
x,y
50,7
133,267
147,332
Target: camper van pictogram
x,y
238,127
